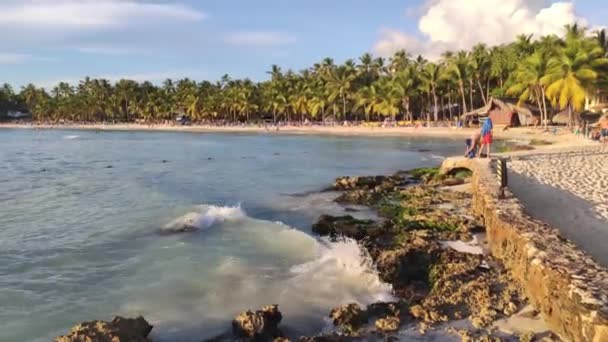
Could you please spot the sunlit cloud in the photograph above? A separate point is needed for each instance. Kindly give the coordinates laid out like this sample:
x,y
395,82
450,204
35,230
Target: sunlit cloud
x,y
460,24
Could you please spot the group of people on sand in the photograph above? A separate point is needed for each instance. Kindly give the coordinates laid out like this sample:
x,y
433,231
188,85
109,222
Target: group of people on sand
x,y
480,139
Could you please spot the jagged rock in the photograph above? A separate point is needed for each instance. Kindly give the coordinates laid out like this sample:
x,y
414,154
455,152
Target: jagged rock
x,y
120,329
261,325
452,181
353,183
328,338
359,196
349,317
388,324
366,190
343,226
381,309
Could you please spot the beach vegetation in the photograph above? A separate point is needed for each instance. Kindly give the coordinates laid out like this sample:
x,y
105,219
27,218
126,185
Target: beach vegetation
x,y
554,73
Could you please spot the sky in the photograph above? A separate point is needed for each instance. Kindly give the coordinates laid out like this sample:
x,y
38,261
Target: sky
x,y
48,41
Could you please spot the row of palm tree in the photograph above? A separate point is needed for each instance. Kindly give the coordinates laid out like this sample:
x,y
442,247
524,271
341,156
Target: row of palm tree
x,y
551,72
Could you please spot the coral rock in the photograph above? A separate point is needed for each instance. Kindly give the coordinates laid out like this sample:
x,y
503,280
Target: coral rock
x,y
118,330
349,317
261,325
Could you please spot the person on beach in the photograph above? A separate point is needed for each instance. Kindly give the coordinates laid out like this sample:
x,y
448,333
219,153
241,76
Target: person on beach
x,y
604,129
471,143
486,137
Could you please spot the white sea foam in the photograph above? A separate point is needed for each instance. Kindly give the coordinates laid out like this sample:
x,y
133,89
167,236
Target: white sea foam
x,y
207,216
257,262
346,265
71,137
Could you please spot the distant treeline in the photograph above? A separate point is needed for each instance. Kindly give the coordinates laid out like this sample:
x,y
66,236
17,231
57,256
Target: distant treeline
x,y
550,72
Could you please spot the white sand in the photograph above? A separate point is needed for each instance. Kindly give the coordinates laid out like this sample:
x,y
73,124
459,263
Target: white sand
x,y
583,172
568,190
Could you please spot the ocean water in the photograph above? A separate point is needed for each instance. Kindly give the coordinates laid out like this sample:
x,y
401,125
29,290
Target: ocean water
x,y
82,215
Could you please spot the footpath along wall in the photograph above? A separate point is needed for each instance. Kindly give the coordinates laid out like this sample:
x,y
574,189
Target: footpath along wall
x,y
564,284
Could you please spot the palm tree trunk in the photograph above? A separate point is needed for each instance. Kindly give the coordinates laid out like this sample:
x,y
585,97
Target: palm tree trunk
x,y
483,96
464,99
570,116
488,89
471,93
450,104
435,110
544,108
343,105
442,108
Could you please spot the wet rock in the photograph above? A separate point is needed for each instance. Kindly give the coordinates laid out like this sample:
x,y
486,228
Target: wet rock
x,y
353,183
261,325
350,318
186,224
343,226
388,324
361,197
328,338
381,309
118,330
109,166
452,181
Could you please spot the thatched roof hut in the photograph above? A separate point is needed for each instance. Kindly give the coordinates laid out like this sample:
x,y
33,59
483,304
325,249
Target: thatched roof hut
x,y
506,111
563,117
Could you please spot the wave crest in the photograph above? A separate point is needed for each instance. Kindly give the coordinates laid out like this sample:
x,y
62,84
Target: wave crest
x,y
207,216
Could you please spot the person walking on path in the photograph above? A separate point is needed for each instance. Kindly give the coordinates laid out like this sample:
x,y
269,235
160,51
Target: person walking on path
x,y
486,137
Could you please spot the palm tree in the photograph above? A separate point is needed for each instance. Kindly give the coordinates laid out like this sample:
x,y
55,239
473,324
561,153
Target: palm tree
x,y
523,45
399,61
481,64
571,75
431,74
602,39
339,82
390,94
528,81
460,68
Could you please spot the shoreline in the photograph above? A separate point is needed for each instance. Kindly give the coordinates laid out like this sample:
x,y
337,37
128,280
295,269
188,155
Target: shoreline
x,y
558,140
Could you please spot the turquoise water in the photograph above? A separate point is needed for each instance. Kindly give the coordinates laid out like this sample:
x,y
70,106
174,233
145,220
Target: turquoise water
x,y
80,215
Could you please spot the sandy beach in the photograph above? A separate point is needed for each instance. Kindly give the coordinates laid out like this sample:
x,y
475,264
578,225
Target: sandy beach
x,y
560,139
567,188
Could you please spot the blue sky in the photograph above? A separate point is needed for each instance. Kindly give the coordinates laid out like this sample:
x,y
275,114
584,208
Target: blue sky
x,y
46,41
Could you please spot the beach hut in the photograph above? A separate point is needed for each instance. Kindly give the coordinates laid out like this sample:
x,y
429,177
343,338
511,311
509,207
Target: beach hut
x,y
505,112
563,117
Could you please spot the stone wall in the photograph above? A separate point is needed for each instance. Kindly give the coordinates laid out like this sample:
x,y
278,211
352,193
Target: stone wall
x,y
564,284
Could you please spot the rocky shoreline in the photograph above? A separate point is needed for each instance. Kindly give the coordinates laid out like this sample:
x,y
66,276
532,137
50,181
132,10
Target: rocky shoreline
x,y
434,284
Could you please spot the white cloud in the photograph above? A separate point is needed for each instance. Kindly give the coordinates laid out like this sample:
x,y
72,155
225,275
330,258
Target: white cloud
x,y
21,58
460,24
90,14
260,39
13,58
108,50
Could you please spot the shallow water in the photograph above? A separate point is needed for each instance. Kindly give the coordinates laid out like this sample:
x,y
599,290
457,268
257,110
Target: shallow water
x,y
81,213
